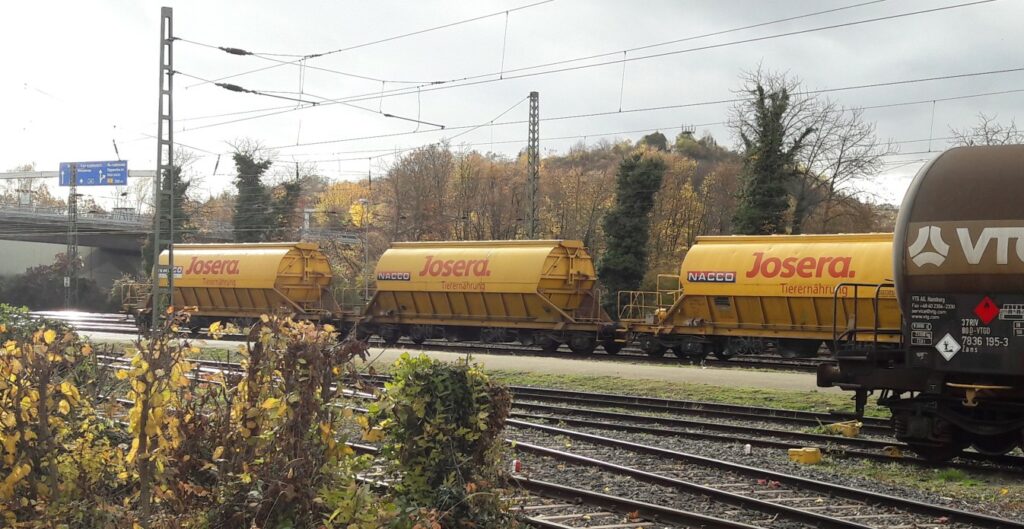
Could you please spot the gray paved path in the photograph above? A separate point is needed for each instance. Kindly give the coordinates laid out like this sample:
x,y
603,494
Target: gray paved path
x,y
594,366
638,370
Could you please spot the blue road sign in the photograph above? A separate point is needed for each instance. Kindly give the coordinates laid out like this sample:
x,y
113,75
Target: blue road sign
x,y
96,173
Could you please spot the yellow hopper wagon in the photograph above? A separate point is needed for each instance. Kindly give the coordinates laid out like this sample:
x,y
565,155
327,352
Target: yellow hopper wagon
x,y
533,292
240,282
743,294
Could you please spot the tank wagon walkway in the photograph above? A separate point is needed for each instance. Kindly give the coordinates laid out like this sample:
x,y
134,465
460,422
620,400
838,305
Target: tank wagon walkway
x,y
592,367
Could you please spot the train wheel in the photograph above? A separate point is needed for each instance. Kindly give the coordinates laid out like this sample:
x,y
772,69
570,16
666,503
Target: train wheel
x,y
390,336
143,321
724,354
582,345
936,453
995,444
791,348
548,345
731,347
651,346
682,352
611,347
418,334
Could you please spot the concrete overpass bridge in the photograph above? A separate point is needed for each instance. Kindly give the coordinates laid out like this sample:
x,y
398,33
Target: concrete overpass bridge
x,y
118,231
121,230
110,242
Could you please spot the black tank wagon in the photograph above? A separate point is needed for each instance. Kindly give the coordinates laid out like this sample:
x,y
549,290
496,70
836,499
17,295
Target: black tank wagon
x,y
958,378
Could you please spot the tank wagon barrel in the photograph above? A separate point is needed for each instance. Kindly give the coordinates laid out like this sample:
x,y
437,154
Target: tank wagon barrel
x,y
534,292
738,293
959,275
242,281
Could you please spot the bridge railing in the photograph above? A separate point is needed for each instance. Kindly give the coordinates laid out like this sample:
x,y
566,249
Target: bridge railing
x,y
119,215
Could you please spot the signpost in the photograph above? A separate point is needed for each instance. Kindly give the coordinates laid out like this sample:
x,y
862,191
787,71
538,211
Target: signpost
x,y
72,175
111,173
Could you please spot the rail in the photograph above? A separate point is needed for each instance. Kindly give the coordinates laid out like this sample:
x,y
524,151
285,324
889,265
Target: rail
x,y
637,305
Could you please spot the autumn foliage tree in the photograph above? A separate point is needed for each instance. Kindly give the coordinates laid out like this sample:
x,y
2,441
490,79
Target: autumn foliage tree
x,y
576,192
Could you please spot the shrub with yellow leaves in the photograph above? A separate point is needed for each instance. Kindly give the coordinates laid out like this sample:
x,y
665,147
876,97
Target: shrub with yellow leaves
x,y
149,443
157,384
285,415
53,456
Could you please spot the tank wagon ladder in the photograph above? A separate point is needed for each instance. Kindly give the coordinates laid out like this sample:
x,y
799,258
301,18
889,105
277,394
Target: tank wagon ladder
x,y
639,304
655,308
846,341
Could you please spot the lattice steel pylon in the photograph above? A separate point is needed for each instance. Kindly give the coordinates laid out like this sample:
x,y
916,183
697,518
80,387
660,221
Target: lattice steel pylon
x,y
533,166
163,185
71,253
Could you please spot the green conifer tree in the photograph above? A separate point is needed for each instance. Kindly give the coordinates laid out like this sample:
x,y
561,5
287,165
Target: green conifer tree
x,y
627,224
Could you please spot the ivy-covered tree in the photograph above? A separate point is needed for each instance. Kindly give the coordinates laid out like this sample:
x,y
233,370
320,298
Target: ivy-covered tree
x,y
627,224
262,212
282,209
252,217
773,128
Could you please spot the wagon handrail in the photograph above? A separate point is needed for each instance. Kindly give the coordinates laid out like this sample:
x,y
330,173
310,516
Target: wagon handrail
x,y
852,330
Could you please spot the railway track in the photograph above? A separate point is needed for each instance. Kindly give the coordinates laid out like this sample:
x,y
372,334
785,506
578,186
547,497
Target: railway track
x,y
722,423
616,483
548,505
732,436
707,409
581,477
799,500
112,323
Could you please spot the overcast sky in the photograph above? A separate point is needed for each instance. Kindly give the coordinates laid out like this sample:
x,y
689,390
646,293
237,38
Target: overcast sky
x,y
77,75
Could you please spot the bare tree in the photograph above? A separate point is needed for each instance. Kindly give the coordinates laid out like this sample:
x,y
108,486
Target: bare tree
x,y
25,191
800,112
987,132
828,152
842,155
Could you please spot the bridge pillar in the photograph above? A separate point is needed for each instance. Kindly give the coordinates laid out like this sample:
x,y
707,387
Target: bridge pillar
x,y
101,264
